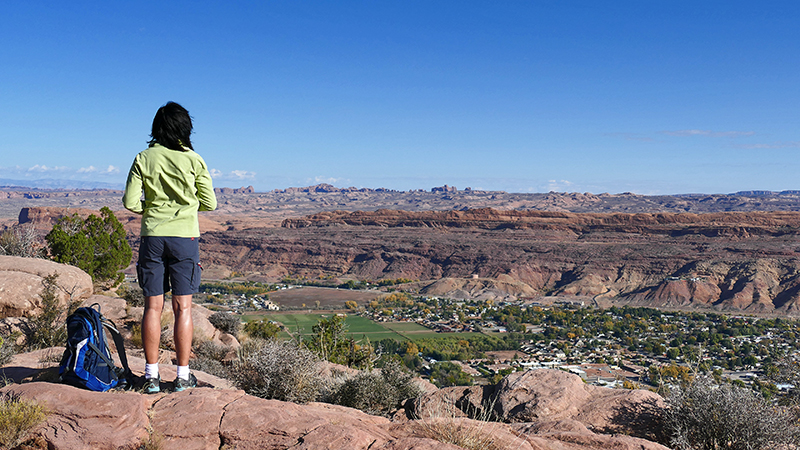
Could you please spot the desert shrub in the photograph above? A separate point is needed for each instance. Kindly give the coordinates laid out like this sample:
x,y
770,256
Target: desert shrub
x,y
48,328
7,350
377,392
209,359
22,240
283,370
702,415
225,322
133,295
97,245
17,418
260,329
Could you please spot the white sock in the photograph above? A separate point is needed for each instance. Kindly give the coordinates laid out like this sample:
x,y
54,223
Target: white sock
x,y
183,372
151,370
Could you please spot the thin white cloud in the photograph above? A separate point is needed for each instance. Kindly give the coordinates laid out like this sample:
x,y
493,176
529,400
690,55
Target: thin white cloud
x,y
329,180
709,133
43,168
559,185
110,170
795,144
242,174
232,175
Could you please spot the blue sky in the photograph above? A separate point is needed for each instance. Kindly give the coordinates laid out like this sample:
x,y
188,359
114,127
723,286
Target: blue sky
x,y
651,97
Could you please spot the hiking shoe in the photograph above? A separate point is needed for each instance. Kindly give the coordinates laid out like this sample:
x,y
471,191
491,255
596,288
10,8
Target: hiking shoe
x,y
152,385
181,384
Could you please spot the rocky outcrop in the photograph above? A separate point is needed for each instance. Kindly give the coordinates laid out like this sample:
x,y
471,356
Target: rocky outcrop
x,y
21,284
547,400
211,417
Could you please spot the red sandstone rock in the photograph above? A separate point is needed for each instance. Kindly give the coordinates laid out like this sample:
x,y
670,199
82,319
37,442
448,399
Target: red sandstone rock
x,y
81,419
21,284
538,395
208,418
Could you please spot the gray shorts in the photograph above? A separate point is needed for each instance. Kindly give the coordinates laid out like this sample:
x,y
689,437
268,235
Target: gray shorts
x,y
169,263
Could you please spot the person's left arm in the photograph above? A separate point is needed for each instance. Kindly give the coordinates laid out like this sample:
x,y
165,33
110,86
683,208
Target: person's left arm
x,y
205,190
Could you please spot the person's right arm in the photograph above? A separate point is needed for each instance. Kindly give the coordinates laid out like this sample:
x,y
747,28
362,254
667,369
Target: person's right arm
x,y
132,198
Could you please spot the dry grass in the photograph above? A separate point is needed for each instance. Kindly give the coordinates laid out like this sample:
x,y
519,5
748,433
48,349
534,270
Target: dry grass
x,y
17,418
442,423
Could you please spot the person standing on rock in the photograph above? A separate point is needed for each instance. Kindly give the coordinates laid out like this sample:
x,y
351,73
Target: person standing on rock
x,y
167,184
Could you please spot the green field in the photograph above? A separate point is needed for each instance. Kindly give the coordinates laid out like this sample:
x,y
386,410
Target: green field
x,y
357,327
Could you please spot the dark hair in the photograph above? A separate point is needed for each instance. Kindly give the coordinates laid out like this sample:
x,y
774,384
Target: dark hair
x,y
172,126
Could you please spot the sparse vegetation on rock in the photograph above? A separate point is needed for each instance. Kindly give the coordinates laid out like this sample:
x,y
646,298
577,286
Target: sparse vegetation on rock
x,y
48,328
377,392
133,295
282,370
22,240
17,418
6,350
225,322
704,415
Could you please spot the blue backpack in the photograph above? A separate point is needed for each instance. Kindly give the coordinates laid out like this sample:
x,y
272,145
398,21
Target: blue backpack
x,y
87,360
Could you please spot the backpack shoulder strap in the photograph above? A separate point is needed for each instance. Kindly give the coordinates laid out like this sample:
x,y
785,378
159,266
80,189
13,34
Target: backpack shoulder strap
x,y
118,342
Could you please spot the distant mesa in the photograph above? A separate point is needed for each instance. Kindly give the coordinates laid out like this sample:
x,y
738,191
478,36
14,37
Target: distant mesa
x,y
241,190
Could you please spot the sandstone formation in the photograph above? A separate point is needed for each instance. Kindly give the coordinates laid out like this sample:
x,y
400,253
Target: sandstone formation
x,y
548,400
21,283
210,418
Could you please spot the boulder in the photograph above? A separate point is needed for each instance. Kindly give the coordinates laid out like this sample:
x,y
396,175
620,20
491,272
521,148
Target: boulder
x,y
21,283
537,395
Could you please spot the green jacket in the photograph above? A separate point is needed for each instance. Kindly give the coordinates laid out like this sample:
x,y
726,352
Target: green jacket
x,y
175,184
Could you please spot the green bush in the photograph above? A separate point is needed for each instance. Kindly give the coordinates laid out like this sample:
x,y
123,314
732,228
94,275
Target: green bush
x,y
225,322
17,418
260,329
96,245
377,392
282,370
702,415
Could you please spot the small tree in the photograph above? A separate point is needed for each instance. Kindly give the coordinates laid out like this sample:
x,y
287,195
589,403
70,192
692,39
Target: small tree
x,y
96,245
329,342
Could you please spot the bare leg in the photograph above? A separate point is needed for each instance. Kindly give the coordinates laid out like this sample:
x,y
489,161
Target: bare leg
x,y
184,327
151,327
